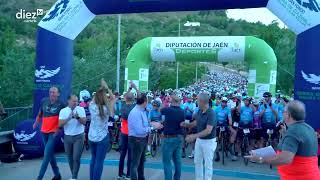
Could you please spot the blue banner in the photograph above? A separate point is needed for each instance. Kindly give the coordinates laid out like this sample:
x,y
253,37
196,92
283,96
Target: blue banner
x,y
54,63
139,6
307,74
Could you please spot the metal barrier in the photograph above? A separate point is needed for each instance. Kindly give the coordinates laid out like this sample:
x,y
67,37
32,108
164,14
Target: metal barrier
x,y
15,115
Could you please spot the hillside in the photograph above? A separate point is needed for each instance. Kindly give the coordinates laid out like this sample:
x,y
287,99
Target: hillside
x,y
95,48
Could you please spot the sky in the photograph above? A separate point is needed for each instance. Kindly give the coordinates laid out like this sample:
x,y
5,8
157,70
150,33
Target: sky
x,y
254,15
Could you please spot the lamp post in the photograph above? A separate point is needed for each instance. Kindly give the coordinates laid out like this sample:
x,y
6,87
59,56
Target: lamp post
x,y
187,24
118,53
193,24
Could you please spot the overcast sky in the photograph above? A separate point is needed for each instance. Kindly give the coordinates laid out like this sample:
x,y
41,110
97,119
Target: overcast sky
x,y
254,15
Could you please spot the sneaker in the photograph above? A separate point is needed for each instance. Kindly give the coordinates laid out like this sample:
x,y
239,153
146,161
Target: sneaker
x,y
148,153
120,177
127,177
234,158
57,177
191,156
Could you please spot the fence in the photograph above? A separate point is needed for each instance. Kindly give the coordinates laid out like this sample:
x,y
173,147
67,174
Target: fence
x,y
15,115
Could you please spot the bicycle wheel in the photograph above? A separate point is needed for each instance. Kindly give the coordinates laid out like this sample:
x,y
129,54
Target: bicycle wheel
x,y
245,150
223,149
269,143
154,146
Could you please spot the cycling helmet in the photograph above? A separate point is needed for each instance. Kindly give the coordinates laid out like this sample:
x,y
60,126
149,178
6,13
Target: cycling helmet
x,y
156,103
224,99
86,98
150,95
267,94
255,102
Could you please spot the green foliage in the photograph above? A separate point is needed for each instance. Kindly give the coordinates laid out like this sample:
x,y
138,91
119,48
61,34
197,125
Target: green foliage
x,y
95,48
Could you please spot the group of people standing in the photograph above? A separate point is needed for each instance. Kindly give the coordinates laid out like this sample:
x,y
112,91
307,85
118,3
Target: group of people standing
x,y
72,119
137,124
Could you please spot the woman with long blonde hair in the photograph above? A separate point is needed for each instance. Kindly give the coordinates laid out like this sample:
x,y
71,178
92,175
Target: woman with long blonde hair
x,y
101,108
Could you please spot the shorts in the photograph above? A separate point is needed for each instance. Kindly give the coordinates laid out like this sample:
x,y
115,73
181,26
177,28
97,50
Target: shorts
x,y
265,127
240,132
226,130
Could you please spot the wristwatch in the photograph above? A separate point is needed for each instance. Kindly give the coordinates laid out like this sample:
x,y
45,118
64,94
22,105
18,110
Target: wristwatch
x,y
260,160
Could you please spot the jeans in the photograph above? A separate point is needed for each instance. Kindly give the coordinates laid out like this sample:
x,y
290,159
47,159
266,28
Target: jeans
x,y
124,149
138,157
172,150
204,151
48,157
73,146
98,153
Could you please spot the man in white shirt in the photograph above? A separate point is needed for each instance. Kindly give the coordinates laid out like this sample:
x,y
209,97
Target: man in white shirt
x,y
72,119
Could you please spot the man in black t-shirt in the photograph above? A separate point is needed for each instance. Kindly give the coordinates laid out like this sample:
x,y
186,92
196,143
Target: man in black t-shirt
x,y
173,118
205,138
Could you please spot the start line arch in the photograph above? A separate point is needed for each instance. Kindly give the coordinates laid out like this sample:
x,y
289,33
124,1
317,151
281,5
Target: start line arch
x,y
67,18
259,55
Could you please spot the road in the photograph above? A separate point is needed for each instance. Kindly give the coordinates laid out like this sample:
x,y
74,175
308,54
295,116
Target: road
x,y
28,169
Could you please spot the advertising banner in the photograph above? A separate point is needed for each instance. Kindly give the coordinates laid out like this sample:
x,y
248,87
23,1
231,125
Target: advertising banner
x,y
67,18
218,48
299,15
307,74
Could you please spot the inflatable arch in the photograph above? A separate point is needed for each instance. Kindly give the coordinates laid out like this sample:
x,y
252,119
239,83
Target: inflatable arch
x,y
67,18
259,55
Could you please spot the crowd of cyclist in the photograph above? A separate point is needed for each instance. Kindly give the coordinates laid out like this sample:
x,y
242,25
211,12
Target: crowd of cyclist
x,y
234,109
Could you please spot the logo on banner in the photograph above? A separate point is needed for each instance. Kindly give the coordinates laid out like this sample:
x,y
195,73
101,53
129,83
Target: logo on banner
x,y
24,137
312,5
59,8
29,16
311,78
44,74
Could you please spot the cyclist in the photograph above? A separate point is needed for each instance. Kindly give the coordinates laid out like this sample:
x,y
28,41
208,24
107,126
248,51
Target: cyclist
x,y
149,99
223,117
256,123
154,116
268,115
189,108
84,93
85,104
246,119
280,104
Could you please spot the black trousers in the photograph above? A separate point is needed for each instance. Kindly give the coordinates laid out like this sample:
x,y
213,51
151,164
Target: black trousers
x,y
124,149
138,157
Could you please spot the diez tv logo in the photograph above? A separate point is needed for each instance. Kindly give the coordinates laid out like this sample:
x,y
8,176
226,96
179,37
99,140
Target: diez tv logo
x,y
29,16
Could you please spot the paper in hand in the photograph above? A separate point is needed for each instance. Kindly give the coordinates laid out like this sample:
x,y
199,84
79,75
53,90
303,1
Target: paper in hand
x,y
266,152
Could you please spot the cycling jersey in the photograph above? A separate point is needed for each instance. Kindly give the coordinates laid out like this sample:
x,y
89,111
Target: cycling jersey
x,y
268,117
154,115
222,115
189,109
256,120
246,115
280,111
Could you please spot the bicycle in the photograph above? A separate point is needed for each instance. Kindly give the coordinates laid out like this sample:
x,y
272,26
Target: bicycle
x,y
114,132
156,141
222,142
269,142
245,145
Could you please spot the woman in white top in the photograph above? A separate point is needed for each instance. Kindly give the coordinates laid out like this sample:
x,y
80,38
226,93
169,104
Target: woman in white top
x,y
100,110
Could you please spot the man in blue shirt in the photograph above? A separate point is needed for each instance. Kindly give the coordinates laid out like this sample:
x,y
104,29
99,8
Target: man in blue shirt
x,y
246,113
154,116
139,128
223,117
268,114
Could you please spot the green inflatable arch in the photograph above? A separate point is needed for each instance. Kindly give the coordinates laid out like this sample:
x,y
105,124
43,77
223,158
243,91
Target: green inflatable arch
x,y
259,55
